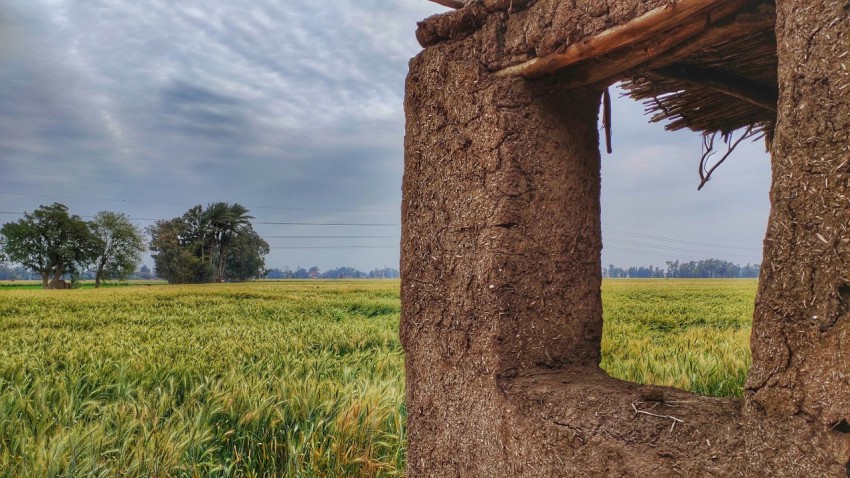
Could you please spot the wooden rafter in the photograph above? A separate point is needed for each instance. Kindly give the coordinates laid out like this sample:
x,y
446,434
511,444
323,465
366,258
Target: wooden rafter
x,y
488,5
449,3
662,51
607,70
682,20
743,25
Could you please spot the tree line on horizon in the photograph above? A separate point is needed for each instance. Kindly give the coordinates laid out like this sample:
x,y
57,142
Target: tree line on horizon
x,y
703,269
216,243
212,244
13,272
54,243
335,273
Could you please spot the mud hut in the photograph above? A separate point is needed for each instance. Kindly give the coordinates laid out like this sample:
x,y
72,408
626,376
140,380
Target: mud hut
x,y
501,239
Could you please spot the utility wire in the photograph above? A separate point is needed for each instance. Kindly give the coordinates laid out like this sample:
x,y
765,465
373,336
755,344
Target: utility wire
x,y
366,224
674,254
331,237
335,247
144,201
607,231
653,253
659,249
268,223
621,249
669,239
672,249
70,196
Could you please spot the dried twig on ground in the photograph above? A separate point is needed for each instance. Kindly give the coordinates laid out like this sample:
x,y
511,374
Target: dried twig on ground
x,y
645,412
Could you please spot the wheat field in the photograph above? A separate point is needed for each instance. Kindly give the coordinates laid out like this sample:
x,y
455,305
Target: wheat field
x,y
292,378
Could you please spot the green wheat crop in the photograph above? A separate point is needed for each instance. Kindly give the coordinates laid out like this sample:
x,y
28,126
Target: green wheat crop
x,y
689,334
294,378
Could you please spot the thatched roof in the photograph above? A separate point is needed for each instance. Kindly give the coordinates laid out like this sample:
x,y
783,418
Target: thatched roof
x,y
707,65
726,86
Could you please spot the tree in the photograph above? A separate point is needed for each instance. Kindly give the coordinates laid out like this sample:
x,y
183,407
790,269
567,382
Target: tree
x,y
119,244
50,242
276,273
18,272
225,222
245,256
385,273
173,255
343,273
198,230
216,243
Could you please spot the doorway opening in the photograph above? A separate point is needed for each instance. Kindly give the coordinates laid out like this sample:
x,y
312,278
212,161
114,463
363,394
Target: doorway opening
x,y
680,266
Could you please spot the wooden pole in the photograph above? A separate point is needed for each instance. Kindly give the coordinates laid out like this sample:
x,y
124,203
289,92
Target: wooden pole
x,y
683,15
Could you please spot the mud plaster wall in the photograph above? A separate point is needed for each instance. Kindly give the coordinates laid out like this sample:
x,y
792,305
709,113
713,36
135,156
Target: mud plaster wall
x,y
801,328
501,257
500,275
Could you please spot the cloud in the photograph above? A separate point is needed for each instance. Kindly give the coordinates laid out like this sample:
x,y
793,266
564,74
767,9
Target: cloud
x,y
156,106
145,103
649,187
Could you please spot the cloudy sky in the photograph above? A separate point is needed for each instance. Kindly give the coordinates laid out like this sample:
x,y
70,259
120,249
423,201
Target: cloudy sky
x,y
294,109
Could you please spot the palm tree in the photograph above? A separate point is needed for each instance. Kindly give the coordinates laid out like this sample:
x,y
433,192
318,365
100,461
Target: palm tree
x,y
199,228
224,221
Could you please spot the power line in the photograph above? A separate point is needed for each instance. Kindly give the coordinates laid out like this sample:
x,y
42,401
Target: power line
x,y
621,249
331,237
370,224
650,253
669,239
265,223
133,218
335,247
363,211
71,196
675,249
167,203
660,249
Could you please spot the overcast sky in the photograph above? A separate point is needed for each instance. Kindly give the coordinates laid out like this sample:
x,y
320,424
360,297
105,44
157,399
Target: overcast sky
x,y
294,109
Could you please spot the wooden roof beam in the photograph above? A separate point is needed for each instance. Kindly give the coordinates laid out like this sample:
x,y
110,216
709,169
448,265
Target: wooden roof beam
x,y
674,46
682,20
450,3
